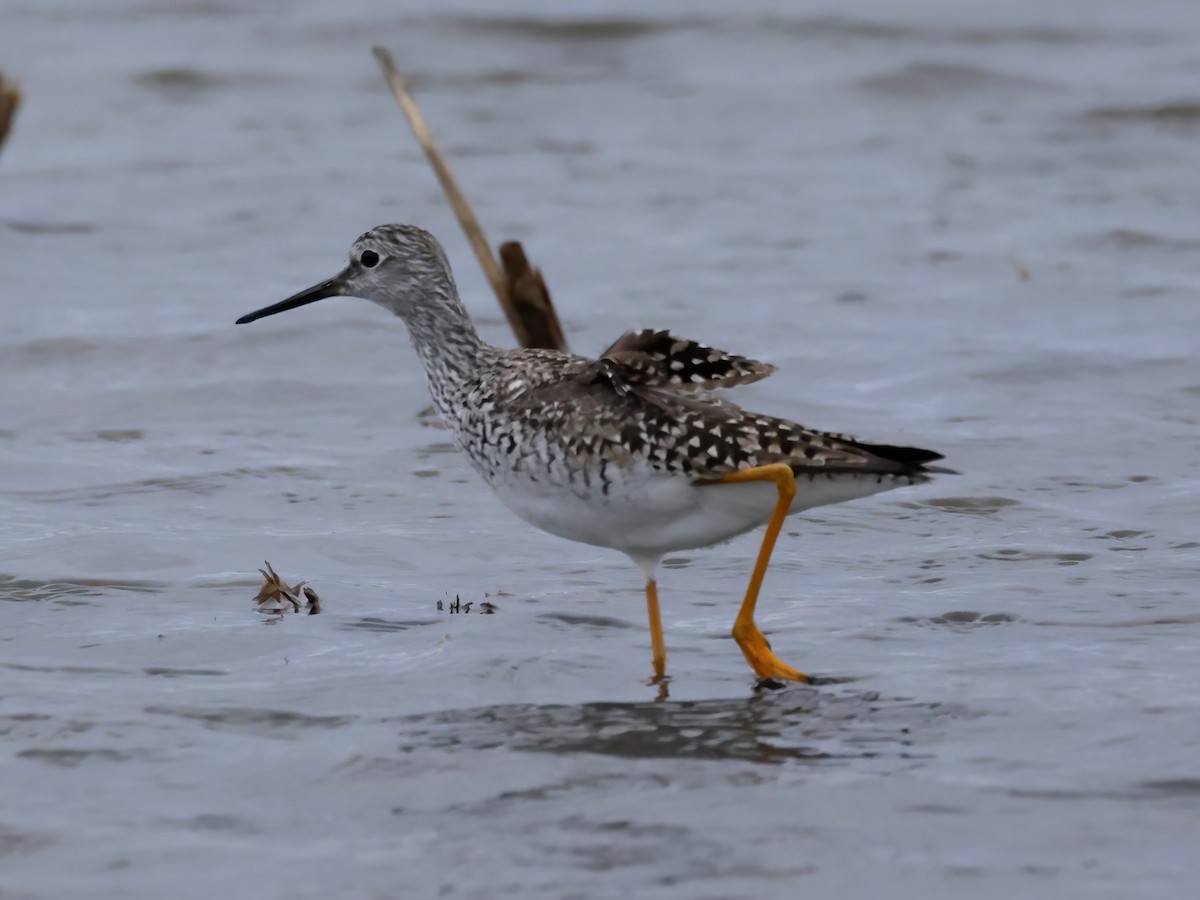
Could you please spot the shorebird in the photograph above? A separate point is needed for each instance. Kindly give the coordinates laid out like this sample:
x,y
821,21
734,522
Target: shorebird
x,y
633,450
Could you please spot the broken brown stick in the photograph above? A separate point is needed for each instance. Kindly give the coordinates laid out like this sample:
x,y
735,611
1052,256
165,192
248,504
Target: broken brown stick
x,y
528,294
10,99
520,289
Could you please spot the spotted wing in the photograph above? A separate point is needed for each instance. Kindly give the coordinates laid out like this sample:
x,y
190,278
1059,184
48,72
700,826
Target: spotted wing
x,y
708,437
658,360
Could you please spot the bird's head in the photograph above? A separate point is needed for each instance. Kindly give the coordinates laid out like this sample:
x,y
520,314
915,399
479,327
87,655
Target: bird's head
x,y
401,267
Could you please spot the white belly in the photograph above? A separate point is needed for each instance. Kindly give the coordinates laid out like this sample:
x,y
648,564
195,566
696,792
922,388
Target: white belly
x,y
647,513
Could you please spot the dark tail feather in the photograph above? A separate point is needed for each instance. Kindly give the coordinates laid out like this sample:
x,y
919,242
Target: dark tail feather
x,y
914,457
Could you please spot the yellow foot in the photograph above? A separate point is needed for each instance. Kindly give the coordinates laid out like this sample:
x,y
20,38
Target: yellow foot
x,y
765,663
664,687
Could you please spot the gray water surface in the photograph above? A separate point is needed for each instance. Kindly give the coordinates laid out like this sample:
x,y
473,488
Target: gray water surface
x,y
967,226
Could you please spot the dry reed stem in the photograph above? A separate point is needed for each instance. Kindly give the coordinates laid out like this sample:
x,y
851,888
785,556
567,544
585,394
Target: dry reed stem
x,y
458,201
530,314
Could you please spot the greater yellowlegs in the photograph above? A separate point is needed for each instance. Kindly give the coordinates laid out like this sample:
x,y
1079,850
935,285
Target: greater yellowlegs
x,y
632,450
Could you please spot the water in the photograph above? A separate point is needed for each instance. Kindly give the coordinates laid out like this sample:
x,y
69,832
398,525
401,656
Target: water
x,y
1009,705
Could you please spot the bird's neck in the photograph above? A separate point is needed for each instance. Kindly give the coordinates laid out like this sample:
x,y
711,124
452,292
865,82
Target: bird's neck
x,y
448,345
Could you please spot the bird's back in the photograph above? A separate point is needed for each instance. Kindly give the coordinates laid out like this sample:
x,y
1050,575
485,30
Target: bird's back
x,y
650,401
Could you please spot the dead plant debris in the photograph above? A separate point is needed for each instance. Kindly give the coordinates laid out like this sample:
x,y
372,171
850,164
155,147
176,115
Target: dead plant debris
x,y
276,597
485,608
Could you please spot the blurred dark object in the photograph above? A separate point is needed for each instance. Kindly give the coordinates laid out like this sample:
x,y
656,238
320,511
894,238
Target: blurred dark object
x,y
520,289
10,99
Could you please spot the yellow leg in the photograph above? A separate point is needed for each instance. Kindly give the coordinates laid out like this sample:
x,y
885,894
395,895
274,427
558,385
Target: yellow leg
x,y
745,632
656,633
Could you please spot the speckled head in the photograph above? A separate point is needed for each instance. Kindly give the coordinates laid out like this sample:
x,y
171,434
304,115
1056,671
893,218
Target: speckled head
x,y
401,267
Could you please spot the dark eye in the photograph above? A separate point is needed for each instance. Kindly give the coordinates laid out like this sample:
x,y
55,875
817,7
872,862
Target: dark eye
x,y
369,258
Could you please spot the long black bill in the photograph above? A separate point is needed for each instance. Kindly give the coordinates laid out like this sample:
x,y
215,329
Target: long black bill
x,y
330,288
